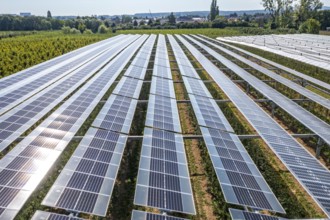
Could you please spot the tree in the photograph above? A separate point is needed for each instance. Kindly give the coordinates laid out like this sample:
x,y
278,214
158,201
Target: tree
x,y
49,14
135,23
172,19
307,9
150,22
274,7
103,29
142,23
311,26
214,10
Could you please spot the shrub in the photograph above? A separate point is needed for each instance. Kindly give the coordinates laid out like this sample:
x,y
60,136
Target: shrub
x,y
310,26
103,29
66,30
74,31
88,31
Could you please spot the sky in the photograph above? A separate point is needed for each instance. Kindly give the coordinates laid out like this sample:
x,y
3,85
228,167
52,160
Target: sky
x,y
118,7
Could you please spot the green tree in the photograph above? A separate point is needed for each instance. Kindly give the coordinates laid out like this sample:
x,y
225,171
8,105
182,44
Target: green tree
x,y
274,7
49,14
172,19
103,29
214,10
311,26
150,22
135,23
307,9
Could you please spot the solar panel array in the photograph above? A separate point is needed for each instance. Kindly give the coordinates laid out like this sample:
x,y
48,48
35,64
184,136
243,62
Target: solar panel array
x,y
11,98
240,180
40,69
313,176
15,122
301,90
279,66
316,125
305,48
25,166
243,215
140,215
163,178
86,182
41,215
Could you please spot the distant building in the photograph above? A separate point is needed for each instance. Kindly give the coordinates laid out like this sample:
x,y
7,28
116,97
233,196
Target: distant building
x,y
25,14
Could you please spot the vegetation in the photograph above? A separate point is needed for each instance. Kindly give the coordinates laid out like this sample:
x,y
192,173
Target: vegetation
x,y
27,50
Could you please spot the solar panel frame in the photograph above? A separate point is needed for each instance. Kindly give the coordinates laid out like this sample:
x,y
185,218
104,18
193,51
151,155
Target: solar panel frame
x,y
162,87
129,87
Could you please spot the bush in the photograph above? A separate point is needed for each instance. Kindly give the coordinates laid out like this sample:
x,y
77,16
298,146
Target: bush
x,y
88,31
311,26
66,30
103,29
218,23
74,31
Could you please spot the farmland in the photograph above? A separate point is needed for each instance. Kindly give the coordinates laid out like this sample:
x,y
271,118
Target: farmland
x,y
21,52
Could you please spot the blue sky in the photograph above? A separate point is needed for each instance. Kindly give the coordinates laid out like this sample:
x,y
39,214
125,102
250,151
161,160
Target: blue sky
x,y
111,7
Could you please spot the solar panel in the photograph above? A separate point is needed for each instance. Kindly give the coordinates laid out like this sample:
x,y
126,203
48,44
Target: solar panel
x,y
279,66
41,215
196,86
11,98
41,148
140,215
86,182
163,114
162,66
292,85
128,87
243,215
316,125
162,87
117,114
163,180
39,70
313,176
208,113
240,180
313,51
20,119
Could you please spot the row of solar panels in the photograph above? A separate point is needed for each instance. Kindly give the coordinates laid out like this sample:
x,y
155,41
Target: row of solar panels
x,y
314,51
290,84
23,168
316,125
163,174
163,179
307,170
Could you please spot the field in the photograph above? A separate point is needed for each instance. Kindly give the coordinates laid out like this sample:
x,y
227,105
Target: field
x,y
21,52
